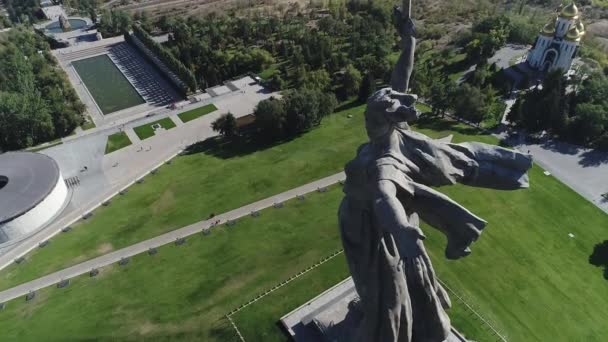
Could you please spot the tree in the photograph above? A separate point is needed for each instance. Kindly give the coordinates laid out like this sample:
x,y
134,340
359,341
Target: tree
x,y
317,80
351,81
368,87
225,125
301,110
37,102
327,104
470,103
592,121
93,15
276,82
270,118
440,96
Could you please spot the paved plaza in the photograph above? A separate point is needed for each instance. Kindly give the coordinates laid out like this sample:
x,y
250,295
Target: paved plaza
x,y
582,169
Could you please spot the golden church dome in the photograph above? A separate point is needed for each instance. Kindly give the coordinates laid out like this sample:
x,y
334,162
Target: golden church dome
x,y
549,29
580,27
570,11
574,34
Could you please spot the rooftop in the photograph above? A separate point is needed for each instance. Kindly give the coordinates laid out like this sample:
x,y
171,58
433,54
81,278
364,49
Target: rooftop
x,y
26,179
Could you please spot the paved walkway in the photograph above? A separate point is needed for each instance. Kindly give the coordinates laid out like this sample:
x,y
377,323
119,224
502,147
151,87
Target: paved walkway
x,y
170,237
132,136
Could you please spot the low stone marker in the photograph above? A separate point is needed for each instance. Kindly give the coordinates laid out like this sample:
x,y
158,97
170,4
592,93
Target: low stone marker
x,y
322,189
31,295
66,229
44,244
255,213
278,205
106,203
231,223
180,241
93,273
87,216
342,181
19,260
153,172
123,192
63,283
168,162
206,231
301,197
139,181
124,261
152,251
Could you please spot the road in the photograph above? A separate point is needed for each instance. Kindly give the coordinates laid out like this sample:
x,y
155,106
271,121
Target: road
x,y
170,237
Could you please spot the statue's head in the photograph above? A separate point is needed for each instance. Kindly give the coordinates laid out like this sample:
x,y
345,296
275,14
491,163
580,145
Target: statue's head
x,y
388,109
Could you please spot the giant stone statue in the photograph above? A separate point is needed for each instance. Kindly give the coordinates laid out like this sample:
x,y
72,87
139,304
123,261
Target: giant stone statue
x,y
388,190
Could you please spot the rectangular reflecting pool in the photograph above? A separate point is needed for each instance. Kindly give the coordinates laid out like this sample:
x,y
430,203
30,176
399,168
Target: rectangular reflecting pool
x,y
108,86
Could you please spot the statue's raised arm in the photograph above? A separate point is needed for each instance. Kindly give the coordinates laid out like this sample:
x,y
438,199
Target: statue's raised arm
x,y
400,79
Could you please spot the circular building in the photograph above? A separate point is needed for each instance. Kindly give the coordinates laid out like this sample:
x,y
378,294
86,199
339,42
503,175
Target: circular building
x,y
32,192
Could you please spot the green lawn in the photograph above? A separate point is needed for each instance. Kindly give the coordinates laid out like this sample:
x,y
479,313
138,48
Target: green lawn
x,y
258,322
88,125
196,185
183,292
108,86
117,141
525,274
197,113
146,131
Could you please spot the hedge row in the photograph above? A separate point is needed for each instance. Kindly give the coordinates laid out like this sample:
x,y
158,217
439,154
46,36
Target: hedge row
x,y
167,58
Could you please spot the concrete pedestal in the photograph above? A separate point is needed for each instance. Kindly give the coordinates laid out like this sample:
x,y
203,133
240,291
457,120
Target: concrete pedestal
x,y
332,316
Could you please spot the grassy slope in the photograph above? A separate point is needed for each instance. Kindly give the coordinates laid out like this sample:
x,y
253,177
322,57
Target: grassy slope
x,y
183,292
197,113
193,187
146,131
525,274
117,141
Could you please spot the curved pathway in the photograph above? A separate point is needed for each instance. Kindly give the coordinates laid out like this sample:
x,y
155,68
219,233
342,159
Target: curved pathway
x,y
164,239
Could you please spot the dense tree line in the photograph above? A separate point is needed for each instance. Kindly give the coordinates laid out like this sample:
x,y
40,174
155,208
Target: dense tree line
x,y
492,32
293,114
316,51
113,23
37,102
576,110
23,11
167,58
477,100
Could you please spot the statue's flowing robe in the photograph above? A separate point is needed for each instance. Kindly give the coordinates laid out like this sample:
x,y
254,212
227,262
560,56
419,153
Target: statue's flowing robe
x,y
407,303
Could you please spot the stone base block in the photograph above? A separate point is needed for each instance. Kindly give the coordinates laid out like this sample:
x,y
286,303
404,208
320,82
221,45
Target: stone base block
x,y
332,316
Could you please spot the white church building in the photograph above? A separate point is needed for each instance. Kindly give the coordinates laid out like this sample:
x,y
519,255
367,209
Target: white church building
x,y
558,42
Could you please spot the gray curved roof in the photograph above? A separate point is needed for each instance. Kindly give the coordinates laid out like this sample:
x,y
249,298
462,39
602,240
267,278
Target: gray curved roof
x,y
31,178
